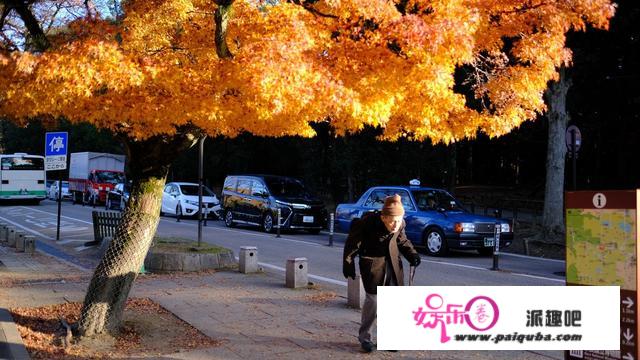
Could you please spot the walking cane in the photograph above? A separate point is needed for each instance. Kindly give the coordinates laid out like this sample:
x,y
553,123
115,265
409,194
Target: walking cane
x,y
412,273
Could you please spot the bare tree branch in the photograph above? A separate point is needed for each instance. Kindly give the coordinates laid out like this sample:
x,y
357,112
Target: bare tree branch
x,y
39,40
309,7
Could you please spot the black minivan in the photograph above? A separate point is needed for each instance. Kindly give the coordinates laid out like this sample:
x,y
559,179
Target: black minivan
x,y
255,200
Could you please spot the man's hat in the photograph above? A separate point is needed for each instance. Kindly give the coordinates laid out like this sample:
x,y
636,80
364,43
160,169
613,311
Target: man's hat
x,y
393,206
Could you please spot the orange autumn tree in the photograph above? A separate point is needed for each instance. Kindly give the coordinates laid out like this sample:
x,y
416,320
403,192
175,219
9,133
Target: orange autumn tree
x,y
170,71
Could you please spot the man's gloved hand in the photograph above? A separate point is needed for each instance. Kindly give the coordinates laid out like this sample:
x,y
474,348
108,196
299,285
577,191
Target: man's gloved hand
x,y
349,271
415,261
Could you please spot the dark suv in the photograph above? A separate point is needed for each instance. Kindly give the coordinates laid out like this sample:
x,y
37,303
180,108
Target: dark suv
x,y
255,200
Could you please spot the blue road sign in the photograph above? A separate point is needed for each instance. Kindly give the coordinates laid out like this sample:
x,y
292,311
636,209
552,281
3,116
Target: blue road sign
x,y
55,153
56,143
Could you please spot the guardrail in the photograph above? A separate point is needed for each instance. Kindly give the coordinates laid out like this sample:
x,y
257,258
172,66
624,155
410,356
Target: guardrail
x,y
520,210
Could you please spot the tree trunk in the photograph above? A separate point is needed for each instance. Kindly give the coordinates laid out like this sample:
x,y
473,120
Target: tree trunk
x,y
558,117
112,280
452,168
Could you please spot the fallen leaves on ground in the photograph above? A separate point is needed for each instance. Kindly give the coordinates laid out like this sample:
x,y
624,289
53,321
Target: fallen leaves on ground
x,y
147,329
322,297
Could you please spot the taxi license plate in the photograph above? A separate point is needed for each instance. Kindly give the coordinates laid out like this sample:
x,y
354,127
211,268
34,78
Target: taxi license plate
x,y
488,241
307,219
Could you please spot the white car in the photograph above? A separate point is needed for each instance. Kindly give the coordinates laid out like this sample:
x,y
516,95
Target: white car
x,y
52,193
181,198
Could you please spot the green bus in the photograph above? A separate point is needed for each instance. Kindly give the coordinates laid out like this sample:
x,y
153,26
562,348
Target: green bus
x,y
22,177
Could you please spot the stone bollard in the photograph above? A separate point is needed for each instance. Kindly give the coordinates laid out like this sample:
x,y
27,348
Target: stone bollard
x,y
11,236
355,292
29,244
20,241
3,233
248,259
296,275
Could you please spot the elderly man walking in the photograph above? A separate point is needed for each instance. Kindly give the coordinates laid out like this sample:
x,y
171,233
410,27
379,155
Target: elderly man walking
x,y
378,239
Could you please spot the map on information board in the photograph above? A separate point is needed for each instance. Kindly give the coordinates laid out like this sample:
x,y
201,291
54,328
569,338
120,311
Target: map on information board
x,y
601,248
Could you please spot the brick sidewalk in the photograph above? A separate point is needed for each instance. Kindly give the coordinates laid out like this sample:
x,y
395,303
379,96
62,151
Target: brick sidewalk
x,y
254,315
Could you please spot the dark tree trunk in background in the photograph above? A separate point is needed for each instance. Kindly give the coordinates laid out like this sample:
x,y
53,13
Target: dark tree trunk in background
x,y
469,163
558,118
111,283
452,167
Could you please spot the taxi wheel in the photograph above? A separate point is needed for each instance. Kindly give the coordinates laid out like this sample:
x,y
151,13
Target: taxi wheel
x,y
228,219
267,223
434,242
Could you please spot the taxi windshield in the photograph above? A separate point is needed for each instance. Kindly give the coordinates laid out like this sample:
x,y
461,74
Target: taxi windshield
x,y
435,199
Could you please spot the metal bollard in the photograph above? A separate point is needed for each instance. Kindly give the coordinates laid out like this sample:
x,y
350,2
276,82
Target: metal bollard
x,y
296,273
11,236
20,241
248,259
496,244
355,292
278,223
331,223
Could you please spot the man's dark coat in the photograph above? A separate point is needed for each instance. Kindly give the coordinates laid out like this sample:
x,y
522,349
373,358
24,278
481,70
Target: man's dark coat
x,y
371,241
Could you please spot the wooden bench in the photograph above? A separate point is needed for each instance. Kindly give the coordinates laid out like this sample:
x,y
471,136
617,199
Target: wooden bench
x,y
104,225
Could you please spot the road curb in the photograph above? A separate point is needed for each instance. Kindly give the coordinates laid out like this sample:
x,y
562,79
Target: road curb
x,y
11,346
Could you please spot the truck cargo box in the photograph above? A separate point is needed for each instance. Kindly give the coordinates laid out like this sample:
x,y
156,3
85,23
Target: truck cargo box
x,y
82,163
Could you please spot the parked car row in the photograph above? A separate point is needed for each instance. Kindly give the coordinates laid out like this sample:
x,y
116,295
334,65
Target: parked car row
x,y
435,220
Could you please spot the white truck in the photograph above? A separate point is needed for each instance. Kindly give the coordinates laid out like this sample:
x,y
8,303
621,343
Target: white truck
x,y
92,175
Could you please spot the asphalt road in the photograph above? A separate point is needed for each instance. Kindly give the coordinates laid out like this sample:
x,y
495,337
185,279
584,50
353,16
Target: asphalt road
x,y
325,263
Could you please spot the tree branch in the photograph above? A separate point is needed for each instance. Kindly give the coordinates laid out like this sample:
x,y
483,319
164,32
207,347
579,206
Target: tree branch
x,y
3,15
221,18
90,8
39,39
307,5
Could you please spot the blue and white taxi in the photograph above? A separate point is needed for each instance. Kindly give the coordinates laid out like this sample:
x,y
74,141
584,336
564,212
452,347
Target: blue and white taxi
x,y
435,219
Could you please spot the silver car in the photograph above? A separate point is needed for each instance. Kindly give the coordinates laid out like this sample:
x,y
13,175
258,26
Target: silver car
x,y
53,191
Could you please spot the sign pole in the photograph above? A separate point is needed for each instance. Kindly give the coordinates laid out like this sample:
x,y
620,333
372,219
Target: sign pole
x,y
496,246
200,175
59,205
574,155
573,140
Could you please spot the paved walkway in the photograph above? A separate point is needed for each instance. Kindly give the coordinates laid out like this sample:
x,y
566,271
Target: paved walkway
x,y
254,315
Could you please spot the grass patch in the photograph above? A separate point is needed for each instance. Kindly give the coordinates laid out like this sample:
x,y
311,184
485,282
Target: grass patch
x,y
182,245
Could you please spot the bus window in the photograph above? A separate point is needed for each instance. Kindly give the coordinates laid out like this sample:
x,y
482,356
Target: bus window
x,y
22,163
